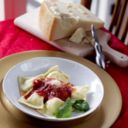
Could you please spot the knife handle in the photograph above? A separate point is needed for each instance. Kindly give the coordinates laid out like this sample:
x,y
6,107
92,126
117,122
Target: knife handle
x,y
115,56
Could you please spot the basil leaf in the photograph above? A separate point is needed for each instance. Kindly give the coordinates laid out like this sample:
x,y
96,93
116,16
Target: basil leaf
x,y
65,111
81,105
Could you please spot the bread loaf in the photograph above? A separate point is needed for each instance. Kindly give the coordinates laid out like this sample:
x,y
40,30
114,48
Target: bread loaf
x,y
59,20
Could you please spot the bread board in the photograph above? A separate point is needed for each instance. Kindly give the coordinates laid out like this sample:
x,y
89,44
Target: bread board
x,y
29,22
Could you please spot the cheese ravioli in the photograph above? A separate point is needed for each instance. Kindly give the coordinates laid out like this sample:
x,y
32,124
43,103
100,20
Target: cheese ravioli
x,y
80,92
52,105
34,101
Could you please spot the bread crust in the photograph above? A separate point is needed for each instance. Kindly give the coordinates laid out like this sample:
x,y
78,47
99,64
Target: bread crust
x,y
46,21
53,30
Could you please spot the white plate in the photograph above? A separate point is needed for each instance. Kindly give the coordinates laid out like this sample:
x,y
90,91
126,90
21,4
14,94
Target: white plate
x,y
79,75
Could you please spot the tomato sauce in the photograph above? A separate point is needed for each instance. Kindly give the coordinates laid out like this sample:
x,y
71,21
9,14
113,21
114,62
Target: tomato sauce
x,y
47,90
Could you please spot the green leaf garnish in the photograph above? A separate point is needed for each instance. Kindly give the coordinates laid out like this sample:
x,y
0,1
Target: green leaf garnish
x,y
71,104
65,111
81,105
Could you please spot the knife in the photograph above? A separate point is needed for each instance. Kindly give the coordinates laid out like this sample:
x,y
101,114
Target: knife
x,y
100,58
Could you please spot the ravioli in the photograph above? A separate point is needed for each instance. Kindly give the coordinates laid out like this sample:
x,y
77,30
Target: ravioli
x,y
54,72
34,101
80,92
53,105
48,91
25,83
53,68
59,76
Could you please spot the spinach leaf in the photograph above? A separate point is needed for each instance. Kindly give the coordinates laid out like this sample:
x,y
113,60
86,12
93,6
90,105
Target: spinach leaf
x,y
81,105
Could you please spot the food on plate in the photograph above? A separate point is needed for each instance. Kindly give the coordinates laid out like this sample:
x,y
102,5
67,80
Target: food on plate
x,y
34,100
58,19
53,104
54,72
79,92
52,94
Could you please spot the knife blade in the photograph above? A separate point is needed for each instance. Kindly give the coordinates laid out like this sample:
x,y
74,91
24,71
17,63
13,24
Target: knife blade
x,y
100,58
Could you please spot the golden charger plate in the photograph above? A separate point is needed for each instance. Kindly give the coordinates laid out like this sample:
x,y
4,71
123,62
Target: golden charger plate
x,y
103,117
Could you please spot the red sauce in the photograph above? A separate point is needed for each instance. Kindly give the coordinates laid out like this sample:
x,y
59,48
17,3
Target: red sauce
x,y
48,91
36,85
28,94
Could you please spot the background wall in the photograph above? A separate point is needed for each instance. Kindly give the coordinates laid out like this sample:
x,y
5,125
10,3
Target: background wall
x,y
1,9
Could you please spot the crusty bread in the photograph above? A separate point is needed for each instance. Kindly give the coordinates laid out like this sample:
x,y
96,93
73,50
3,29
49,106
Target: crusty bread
x,y
59,20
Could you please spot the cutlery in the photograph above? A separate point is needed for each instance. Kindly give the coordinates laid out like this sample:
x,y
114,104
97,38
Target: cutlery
x,y
100,58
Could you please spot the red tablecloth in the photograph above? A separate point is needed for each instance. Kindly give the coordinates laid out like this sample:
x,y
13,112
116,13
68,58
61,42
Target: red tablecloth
x,y
14,40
